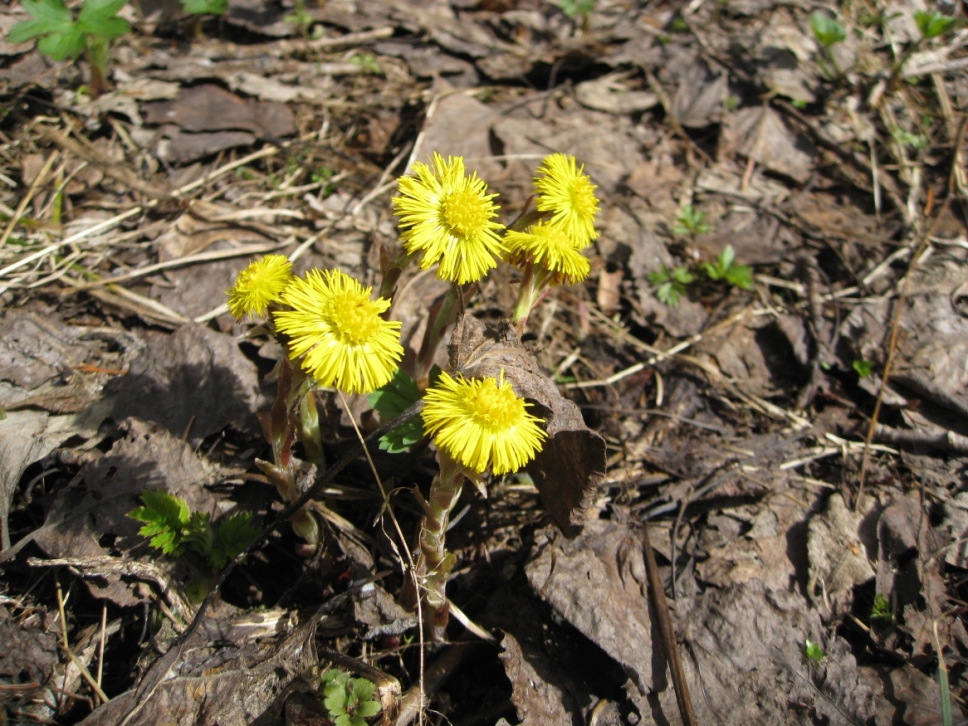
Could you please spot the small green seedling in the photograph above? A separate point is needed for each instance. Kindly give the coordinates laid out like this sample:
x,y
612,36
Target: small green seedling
x,y
392,400
349,700
62,37
577,9
881,609
812,651
828,32
200,8
725,269
863,368
690,222
671,284
173,529
933,24
368,62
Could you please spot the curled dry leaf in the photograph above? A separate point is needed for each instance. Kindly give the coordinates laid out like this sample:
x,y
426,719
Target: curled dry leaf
x,y
571,464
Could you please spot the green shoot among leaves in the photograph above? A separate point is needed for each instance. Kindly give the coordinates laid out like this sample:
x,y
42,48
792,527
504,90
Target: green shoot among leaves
x,y
881,609
724,268
812,651
349,700
392,400
691,222
173,528
828,33
826,29
671,284
205,7
933,24
61,37
863,368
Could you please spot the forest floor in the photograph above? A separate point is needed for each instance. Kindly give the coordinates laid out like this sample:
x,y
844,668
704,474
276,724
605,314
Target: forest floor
x,y
788,440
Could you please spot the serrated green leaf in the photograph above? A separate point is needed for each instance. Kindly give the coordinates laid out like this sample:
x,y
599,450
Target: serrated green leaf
x,y
368,709
107,29
27,30
98,10
165,517
362,688
233,535
335,701
740,276
403,436
682,275
61,46
53,12
396,396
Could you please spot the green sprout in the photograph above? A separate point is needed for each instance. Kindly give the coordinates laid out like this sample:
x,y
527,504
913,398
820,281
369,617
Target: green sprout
x,y
930,25
812,651
577,9
349,700
300,17
368,62
725,269
200,8
174,529
863,368
933,24
828,32
392,400
671,283
690,222
881,609
62,37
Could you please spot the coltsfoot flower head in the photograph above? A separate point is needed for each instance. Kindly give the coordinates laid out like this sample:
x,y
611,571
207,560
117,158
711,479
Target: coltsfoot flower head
x,y
551,249
338,328
482,423
258,285
449,217
568,193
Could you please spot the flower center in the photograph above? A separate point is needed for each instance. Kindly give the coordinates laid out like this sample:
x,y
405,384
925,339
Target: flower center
x,y
355,321
462,213
583,197
493,408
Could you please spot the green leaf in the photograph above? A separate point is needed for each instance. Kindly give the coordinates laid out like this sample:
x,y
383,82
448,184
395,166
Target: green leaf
x,y
52,12
881,609
863,368
740,276
27,30
233,535
165,517
933,24
392,400
97,18
205,7
396,396
368,709
682,275
61,46
826,29
668,294
813,652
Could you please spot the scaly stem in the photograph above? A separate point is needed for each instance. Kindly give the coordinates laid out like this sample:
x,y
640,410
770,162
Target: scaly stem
x,y
435,561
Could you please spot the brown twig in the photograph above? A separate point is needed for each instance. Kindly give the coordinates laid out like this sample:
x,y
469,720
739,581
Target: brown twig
x,y
669,642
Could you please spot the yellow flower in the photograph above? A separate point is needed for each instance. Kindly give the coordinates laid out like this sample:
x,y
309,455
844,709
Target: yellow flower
x,y
566,192
551,249
259,284
335,324
481,423
449,217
